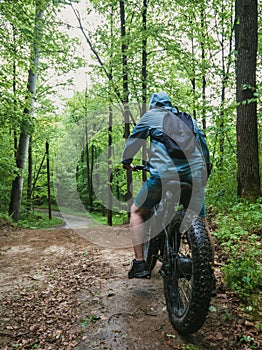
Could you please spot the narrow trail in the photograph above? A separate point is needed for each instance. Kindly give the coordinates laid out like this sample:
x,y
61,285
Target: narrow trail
x,y
59,290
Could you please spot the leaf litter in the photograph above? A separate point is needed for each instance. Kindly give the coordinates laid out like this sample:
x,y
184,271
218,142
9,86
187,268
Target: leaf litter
x,y
59,291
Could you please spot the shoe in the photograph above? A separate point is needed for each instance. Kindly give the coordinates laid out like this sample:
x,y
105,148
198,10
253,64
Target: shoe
x,y
214,287
139,270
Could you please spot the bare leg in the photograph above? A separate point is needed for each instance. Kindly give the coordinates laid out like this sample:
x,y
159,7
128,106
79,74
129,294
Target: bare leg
x,y
137,229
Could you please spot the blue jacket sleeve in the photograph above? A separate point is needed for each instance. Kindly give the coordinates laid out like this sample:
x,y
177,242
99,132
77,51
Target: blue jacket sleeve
x,y
136,140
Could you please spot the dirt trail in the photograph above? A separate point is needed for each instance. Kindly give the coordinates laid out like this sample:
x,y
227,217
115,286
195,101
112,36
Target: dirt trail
x,y
59,291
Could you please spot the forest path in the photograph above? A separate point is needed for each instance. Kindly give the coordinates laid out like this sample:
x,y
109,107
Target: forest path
x,y
59,290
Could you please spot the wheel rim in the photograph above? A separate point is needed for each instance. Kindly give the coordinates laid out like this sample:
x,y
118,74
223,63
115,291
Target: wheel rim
x,y
187,294
179,283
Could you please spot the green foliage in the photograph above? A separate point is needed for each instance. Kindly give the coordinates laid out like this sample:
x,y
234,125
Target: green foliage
x,y
119,218
243,275
221,191
8,169
189,46
57,54
239,231
34,220
5,219
247,339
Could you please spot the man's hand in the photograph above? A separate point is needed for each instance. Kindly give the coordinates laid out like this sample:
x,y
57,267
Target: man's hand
x,y
128,167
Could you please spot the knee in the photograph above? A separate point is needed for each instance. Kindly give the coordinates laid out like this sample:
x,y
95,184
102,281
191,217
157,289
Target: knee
x,y
138,212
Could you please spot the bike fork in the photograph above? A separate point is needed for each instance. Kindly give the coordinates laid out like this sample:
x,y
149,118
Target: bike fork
x,y
167,258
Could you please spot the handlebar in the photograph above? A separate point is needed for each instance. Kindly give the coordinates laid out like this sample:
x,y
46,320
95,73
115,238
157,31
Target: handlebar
x,y
139,167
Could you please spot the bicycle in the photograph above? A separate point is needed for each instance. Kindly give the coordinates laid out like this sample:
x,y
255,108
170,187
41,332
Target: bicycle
x,y
185,254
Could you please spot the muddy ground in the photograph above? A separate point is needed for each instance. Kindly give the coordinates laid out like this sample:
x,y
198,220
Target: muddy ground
x,y
60,291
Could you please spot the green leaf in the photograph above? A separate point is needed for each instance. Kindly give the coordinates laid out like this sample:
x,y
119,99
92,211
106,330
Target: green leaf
x,y
212,308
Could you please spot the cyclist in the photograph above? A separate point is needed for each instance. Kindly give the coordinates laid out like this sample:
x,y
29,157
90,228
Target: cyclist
x,y
161,166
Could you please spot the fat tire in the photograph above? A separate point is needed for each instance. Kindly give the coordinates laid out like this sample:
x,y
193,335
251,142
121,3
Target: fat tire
x,y
188,317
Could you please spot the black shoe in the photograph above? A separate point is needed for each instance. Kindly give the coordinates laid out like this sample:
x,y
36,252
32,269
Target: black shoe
x,y
214,287
139,270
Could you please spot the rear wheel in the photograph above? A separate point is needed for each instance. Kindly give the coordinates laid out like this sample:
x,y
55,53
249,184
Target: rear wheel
x,y
187,274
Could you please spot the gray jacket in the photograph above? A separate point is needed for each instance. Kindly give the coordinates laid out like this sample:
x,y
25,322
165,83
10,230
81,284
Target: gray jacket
x,y
160,163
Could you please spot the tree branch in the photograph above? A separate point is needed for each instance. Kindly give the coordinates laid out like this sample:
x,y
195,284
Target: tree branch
x,y
101,63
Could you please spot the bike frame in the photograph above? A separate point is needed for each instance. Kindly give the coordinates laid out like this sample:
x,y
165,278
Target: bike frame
x,y
166,210
179,240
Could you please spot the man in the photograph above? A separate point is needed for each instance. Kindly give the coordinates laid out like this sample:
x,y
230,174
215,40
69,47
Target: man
x,y
161,167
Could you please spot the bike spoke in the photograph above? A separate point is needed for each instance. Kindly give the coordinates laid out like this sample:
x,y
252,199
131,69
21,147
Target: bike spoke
x,y
186,259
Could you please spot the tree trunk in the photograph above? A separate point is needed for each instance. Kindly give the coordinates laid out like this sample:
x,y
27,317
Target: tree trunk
x,y
246,30
110,139
30,175
48,181
144,75
110,173
88,172
203,56
144,56
93,155
17,186
125,92
124,70
14,88
193,78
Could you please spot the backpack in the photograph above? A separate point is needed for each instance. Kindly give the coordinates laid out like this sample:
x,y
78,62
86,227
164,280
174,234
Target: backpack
x,y
178,134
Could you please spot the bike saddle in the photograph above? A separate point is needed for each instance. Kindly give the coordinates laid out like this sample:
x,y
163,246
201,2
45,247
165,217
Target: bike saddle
x,y
175,186
180,191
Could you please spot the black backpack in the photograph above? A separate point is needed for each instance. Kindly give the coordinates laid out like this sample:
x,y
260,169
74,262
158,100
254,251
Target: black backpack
x,y
179,136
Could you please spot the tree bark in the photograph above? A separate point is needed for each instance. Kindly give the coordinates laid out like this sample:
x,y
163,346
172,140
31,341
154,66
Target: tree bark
x,y
110,138
203,56
30,175
124,69
110,172
144,74
246,34
125,93
17,185
26,125
48,181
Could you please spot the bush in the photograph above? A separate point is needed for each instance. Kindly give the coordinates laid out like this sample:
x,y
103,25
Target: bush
x,y
239,232
244,276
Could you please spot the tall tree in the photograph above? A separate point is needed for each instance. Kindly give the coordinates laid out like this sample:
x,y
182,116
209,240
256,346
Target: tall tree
x,y
26,124
144,72
246,34
125,98
110,131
